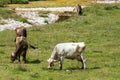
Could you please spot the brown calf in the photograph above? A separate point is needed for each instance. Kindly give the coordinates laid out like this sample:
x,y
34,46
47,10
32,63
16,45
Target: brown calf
x,y
21,49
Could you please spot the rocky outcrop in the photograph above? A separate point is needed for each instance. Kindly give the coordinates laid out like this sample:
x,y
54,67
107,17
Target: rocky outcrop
x,y
12,24
33,17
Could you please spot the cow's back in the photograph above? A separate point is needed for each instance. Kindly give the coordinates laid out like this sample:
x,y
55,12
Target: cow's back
x,y
69,49
21,31
22,41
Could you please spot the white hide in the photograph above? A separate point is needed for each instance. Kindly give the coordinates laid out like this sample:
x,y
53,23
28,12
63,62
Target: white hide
x,y
69,51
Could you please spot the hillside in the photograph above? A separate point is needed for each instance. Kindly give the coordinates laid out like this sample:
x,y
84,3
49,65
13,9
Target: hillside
x,y
53,3
98,27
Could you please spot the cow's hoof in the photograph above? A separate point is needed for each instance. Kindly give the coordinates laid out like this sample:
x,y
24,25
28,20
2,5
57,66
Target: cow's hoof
x,y
11,61
83,68
49,67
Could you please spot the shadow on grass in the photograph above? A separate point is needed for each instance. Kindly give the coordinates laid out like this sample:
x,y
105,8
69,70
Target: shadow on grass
x,y
74,69
94,68
34,61
2,45
2,52
71,69
51,70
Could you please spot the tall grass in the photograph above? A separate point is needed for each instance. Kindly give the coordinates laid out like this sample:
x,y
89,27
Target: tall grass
x,y
9,13
99,28
52,3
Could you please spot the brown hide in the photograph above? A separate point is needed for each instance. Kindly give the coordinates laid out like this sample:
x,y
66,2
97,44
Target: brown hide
x,y
21,49
21,31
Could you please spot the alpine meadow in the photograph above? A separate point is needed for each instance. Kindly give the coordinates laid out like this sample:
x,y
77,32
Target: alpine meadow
x,y
98,27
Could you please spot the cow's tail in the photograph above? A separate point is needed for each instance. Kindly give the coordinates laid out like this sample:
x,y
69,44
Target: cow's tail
x,y
31,46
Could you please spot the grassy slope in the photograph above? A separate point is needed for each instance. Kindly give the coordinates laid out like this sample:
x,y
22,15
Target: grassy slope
x,y
53,3
99,28
6,14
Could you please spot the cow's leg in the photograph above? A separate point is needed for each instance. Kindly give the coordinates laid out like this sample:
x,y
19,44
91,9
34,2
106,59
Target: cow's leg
x,y
24,56
60,65
19,54
19,58
18,51
80,58
83,61
60,62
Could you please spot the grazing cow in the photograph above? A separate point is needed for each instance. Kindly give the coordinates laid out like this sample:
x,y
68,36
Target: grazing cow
x,y
21,49
69,51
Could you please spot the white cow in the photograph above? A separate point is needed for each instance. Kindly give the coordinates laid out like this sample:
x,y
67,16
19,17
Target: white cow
x,y
69,51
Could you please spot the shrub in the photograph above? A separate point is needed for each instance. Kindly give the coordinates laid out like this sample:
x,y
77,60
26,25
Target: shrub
x,y
24,20
37,0
19,1
2,22
111,7
3,3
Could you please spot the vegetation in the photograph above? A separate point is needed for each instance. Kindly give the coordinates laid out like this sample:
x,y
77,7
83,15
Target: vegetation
x,y
3,3
19,1
52,3
6,13
99,28
42,3
2,22
43,14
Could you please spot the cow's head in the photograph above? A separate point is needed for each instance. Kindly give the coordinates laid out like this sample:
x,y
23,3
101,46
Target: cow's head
x,y
50,62
13,57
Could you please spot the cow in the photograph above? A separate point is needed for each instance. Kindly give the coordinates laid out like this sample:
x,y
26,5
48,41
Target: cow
x,y
78,9
72,50
21,49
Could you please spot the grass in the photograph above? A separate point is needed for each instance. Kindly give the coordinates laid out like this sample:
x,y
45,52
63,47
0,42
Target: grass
x,y
2,22
52,3
99,28
9,13
43,14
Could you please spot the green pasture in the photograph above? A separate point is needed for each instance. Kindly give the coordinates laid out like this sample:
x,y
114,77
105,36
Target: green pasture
x,y
98,27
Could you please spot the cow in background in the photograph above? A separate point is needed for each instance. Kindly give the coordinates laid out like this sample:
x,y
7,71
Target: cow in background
x,y
78,9
69,51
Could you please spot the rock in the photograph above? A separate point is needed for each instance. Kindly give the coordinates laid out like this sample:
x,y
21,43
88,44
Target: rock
x,y
32,15
12,24
35,19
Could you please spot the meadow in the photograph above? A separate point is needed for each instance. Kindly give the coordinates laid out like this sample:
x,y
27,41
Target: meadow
x,y
52,3
98,27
